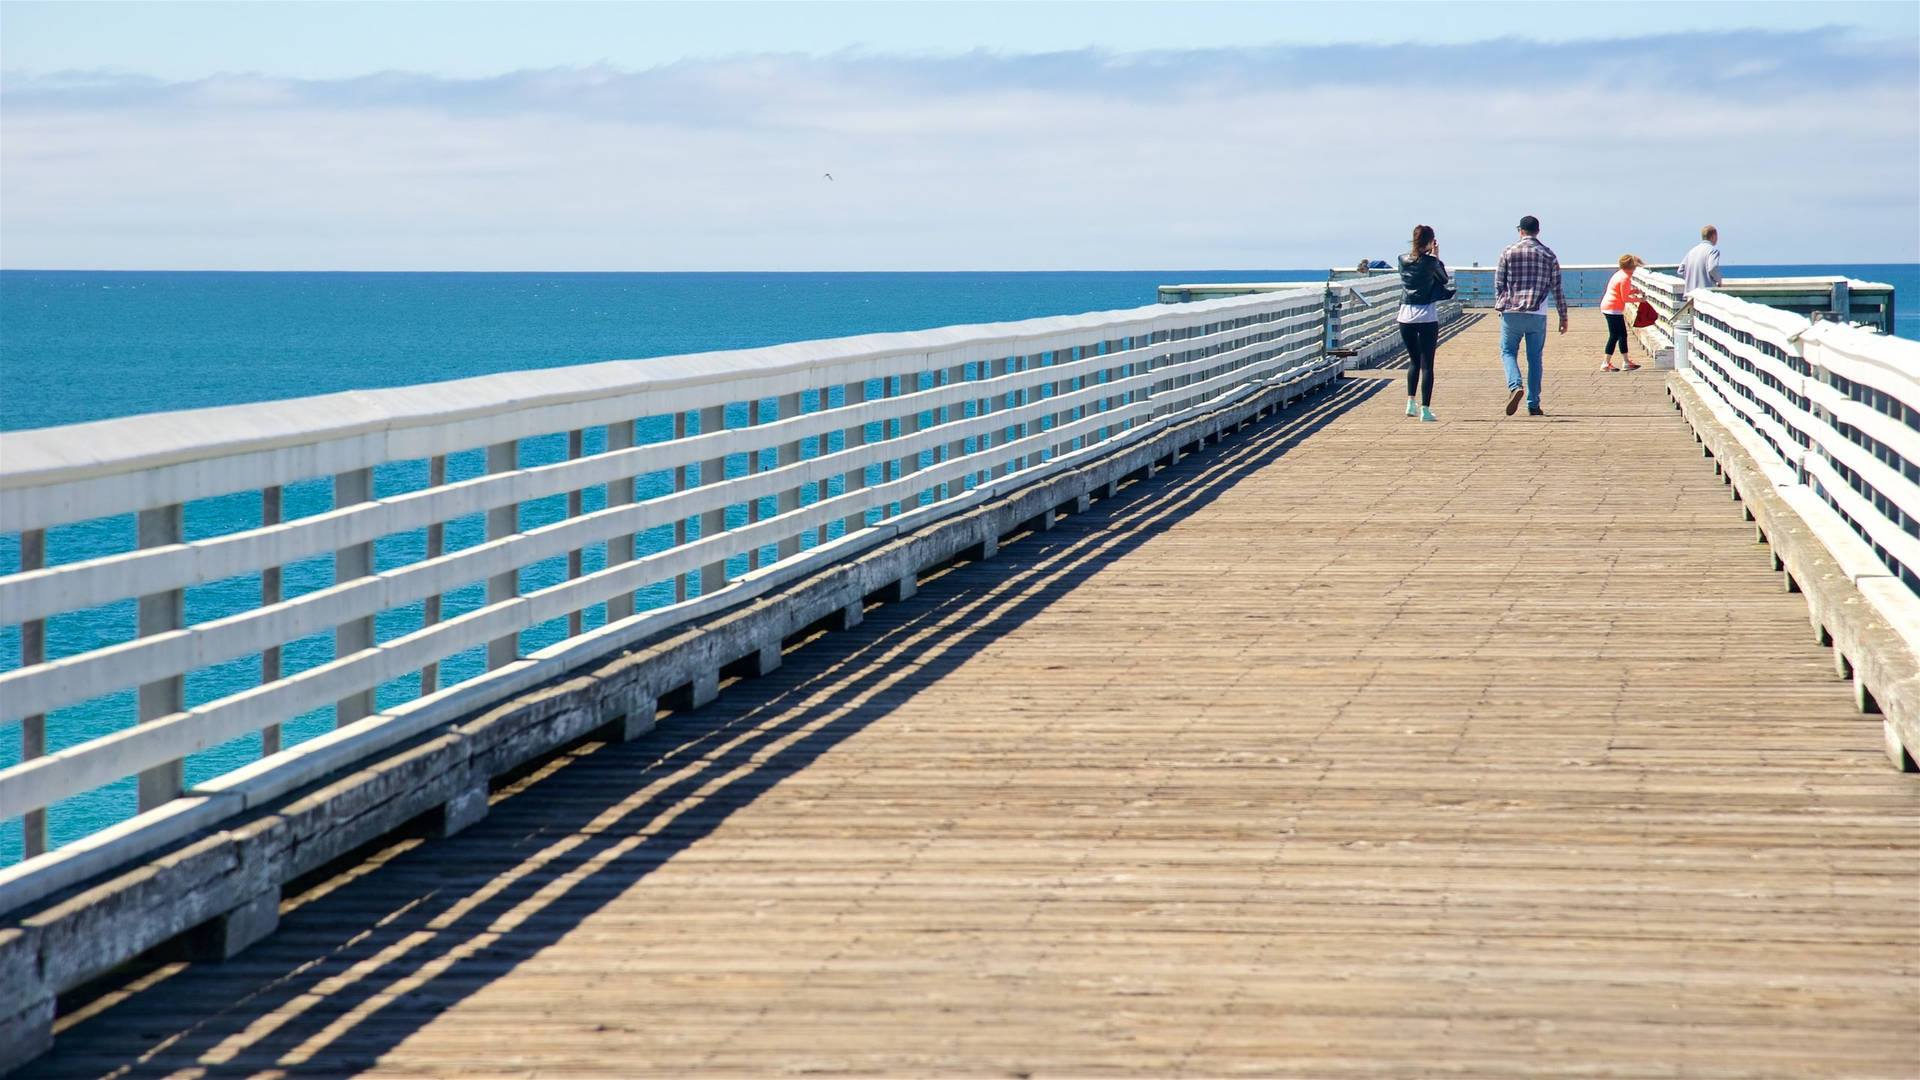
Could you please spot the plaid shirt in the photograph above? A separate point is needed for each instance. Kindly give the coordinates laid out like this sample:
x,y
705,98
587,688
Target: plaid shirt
x,y
1528,271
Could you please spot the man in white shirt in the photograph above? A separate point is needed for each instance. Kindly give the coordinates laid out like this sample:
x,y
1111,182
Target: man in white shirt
x,y
1701,268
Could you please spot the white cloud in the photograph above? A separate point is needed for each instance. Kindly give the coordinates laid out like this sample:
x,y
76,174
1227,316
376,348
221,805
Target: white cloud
x,y
1802,147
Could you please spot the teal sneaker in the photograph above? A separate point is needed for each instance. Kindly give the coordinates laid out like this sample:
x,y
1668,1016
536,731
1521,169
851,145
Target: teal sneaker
x,y
1411,407
1426,414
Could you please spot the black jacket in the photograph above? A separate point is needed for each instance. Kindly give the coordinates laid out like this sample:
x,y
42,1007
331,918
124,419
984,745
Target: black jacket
x,y
1423,280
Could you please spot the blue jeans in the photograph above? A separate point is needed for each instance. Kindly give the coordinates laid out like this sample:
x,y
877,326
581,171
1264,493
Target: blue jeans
x,y
1514,327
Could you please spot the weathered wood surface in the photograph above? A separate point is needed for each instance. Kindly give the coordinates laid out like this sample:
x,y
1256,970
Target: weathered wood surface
x,y
1354,747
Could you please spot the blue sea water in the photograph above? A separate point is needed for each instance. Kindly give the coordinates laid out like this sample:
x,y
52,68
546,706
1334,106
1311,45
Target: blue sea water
x,y
84,345
89,345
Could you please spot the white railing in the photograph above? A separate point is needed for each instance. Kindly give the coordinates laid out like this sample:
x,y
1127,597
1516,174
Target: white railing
x,y
1362,312
760,455
1584,284
1834,407
1867,303
1666,295
1361,309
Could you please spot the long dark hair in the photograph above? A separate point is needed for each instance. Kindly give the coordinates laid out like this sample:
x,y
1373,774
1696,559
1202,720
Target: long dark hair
x,y
1422,236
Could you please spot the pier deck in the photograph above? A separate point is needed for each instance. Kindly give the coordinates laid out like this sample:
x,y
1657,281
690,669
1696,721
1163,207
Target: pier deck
x,y
1369,748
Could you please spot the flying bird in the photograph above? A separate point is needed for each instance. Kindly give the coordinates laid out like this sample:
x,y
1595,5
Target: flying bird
x,y
828,175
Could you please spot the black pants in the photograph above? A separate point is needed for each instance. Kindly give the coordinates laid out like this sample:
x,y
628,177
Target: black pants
x,y
1616,331
1421,338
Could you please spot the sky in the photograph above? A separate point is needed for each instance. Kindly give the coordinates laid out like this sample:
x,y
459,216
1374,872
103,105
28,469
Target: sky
x,y
948,136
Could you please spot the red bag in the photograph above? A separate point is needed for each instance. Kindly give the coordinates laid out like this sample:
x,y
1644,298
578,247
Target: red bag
x,y
1646,316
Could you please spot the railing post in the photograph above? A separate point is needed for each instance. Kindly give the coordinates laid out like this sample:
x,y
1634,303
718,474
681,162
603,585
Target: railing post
x,y
272,509
755,417
995,402
713,576
1185,378
352,562
956,447
1104,402
1062,417
1144,367
33,729
886,435
1168,383
436,547
1017,364
1139,366
855,479
620,493
1142,349
1172,381
159,613
503,521
909,425
789,499
979,407
948,449
1330,323
1680,329
821,486
1066,416
679,524
575,620
999,403
1042,391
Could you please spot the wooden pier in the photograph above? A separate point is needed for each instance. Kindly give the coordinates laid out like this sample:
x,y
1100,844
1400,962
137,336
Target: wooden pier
x,y
1350,746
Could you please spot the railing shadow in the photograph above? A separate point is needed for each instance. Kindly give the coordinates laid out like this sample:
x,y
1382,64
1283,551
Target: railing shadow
x,y
353,972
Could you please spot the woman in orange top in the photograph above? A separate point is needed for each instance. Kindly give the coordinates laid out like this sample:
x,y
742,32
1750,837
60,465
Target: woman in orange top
x,y
1620,292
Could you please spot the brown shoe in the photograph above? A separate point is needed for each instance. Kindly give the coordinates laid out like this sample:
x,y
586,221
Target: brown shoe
x,y
1513,399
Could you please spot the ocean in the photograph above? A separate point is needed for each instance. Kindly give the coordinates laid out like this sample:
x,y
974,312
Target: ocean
x,y
81,345
90,345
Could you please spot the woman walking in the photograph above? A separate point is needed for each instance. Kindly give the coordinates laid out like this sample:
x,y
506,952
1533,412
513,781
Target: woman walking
x,y
1613,304
1423,284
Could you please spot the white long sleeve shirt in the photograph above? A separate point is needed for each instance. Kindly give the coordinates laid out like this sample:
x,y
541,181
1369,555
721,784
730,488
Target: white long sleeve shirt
x,y
1701,268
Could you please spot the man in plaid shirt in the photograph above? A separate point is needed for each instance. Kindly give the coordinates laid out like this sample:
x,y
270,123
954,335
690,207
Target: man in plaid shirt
x,y
1527,276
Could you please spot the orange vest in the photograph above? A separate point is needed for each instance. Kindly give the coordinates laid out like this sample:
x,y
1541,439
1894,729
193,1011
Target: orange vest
x,y
1620,292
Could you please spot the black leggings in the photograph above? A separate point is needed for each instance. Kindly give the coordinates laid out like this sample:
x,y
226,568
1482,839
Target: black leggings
x,y
1616,331
1421,339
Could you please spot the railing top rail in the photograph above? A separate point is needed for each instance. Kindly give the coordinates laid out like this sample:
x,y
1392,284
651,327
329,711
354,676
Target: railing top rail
x,y
1898,359
1762,284
1756,284
1264,286
43,457
1785,324
1573,266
